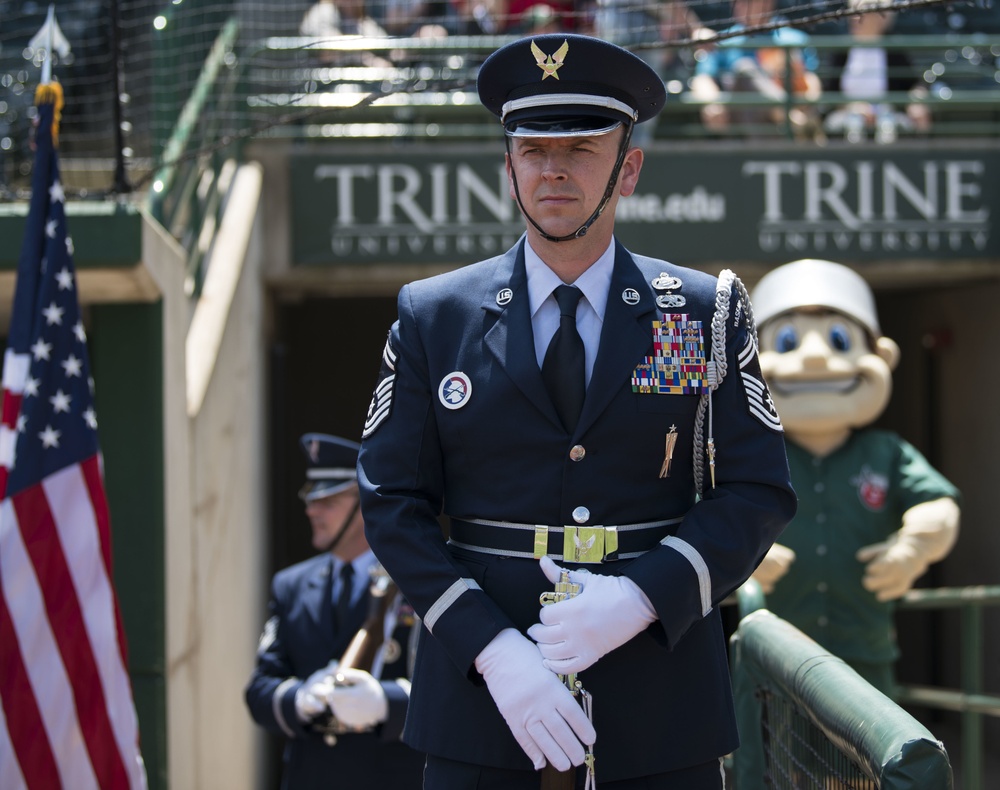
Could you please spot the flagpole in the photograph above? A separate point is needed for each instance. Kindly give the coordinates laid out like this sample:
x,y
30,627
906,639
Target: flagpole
x,y
50,20
67,714
48,92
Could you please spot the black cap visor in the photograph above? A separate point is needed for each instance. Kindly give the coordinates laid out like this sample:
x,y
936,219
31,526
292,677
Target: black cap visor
x,y
561,127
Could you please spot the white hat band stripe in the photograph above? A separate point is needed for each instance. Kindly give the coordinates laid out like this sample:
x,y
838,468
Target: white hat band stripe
x,y
560,99
332,474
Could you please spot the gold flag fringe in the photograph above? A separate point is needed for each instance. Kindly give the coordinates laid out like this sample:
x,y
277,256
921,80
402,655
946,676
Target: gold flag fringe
x,y
51,93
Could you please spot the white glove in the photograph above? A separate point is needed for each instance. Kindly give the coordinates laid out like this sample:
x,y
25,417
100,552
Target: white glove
x,y
928,533
310,697
545,718
357,700
775,564
574,633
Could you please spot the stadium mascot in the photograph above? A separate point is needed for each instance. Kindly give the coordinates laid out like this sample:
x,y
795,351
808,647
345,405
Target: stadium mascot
x,y
873,513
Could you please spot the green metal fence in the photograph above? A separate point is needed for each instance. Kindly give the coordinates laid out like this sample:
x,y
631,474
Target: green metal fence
x,y
970,699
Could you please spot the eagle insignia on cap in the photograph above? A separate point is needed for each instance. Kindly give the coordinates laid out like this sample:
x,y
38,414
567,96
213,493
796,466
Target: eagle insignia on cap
x,y
550,64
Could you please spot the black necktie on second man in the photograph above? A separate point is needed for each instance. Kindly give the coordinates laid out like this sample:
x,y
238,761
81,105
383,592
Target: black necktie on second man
x,y
564,366
344,596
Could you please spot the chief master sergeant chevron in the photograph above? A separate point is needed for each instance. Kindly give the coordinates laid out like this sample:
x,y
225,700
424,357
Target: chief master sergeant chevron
x,y
641,447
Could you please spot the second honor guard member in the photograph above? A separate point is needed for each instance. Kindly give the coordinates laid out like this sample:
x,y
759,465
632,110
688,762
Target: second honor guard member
x,y
342,718
572,405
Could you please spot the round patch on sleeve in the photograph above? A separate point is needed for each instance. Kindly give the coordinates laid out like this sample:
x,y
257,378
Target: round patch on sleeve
x,y
455,390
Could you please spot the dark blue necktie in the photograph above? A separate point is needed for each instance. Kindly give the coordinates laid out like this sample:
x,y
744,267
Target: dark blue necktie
x,y
344,596
564,366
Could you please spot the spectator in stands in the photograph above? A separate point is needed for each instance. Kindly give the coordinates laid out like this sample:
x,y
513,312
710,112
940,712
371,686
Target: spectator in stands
x,y
539,19
421,18
643,25
330,19
678,23
866,71
439,19
522,14
479,17
751,63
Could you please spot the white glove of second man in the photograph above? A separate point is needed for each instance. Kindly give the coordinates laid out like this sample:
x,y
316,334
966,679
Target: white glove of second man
x,y
310,698
357,700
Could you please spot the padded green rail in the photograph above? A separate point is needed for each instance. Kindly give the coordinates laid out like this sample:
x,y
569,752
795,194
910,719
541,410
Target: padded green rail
x,y
889,745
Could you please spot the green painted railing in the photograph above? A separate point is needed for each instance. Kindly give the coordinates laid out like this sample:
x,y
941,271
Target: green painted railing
x,y
434,100
970,700
881,740
188,188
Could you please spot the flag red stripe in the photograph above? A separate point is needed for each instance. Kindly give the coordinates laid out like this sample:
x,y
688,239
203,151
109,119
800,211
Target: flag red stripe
x,y
66,618
95,487
24,721
91,468
11,407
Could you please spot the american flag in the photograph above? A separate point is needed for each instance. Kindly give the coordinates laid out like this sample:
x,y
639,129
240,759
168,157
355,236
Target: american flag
x,y
67,717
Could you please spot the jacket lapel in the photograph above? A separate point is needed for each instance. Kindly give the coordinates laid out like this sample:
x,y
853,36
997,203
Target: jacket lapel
x,y
510,339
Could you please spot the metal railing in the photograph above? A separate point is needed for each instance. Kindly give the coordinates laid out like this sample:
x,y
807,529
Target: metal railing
x,y
431,94
970,700
959,77
817,718
187,190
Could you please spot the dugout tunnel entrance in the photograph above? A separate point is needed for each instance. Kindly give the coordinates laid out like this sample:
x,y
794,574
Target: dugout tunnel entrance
x,y
347,225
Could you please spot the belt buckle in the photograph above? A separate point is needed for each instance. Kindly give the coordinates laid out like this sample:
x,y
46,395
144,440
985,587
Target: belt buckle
x,y
590,545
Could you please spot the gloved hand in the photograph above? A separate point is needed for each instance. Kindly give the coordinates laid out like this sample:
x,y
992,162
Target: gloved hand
x,y
544,717
775,564
574,633
357,700
310,698
928,533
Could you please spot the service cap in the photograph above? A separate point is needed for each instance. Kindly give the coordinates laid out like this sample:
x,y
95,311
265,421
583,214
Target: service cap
x,y
331,465
567,85
815,283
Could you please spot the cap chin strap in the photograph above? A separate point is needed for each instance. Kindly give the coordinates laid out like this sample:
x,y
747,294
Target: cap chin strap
x,y
343,527
609,191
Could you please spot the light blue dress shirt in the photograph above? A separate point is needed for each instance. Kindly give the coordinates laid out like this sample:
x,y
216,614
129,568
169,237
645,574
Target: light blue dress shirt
x,y
594,282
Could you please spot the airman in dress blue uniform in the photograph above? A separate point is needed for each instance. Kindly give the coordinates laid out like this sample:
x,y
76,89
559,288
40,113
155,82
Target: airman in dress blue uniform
x,y
343,725
631,454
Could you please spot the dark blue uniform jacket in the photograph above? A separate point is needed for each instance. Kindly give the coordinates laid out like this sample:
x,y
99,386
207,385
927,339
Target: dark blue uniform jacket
x,y
662,701
300,638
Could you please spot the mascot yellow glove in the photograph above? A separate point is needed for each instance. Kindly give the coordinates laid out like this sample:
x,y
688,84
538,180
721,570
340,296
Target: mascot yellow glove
x,y
928,533
775,564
